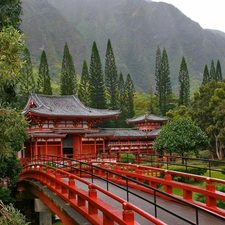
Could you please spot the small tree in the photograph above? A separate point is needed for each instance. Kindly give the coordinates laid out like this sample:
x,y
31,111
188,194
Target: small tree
x,y
180,136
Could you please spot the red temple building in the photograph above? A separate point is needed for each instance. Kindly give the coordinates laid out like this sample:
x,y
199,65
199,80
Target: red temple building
x,y
62,125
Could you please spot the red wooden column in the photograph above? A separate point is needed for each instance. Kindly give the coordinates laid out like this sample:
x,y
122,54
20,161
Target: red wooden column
x,y
36,148
61,147
46,146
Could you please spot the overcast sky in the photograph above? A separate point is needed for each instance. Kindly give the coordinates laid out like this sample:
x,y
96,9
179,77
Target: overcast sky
x,y
209,14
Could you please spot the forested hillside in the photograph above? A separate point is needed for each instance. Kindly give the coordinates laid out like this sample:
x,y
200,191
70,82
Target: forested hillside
x,y
135,28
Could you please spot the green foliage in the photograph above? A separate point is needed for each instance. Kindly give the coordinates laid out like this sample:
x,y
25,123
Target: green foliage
x,y
183,169
202,198
127,158
6,195
129,97
205,154
223,170
182,111
219,75
184,92
83,90
206,77
10,13
12,132
26,80
111,77
212,72
68,79
97,86
50,163
44,80
180,135
163,83
11,45
11,216
209,103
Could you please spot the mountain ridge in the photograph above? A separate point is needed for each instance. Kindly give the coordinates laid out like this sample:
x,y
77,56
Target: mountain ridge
x,y
136,28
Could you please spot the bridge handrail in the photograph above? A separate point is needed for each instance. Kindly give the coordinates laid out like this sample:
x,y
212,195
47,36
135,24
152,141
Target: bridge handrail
x,y
45,174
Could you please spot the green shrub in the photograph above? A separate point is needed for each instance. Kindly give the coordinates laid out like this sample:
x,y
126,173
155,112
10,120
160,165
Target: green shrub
x,y
50,163
223,170
201,197
127,158
205,154
10,215
196,171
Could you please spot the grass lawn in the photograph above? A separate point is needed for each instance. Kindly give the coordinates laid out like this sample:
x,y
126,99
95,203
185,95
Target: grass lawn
x,y
214,174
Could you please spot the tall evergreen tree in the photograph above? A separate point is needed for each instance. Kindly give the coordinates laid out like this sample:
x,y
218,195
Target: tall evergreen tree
x,y
44,80
121,119
212,72
206,77
219,76
129,97
26,79
165,84
157,71
97,87
111,77
83,90
68,80
184,93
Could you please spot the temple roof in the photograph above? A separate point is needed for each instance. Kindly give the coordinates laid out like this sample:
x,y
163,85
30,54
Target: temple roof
x,y
124,133
65,105
147,117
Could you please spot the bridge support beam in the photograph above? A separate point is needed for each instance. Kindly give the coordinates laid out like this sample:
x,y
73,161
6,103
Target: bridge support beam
x,y
45,214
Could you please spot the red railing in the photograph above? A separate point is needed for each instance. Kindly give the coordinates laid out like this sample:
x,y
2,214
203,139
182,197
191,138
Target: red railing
x,y
86,203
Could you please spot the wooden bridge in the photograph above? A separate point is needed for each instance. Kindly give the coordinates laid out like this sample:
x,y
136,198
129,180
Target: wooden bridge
x,y
83,192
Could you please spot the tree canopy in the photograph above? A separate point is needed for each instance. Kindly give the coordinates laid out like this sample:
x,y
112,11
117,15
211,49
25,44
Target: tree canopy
x,y
181,136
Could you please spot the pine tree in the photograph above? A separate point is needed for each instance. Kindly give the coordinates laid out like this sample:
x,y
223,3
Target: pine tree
x,y
206,77
26,80
97,87
129,97
111,77
121,119
165,84
157,71
44,80
212,73
83,91
184,93
219,76
68,81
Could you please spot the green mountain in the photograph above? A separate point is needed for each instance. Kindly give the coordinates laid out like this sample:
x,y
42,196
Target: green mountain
x,y
135,28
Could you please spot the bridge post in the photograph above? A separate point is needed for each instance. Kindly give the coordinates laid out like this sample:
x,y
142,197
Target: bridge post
x,y
210,201
45,214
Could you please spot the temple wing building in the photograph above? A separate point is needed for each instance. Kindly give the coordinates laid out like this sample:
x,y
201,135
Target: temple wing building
x,y
62,125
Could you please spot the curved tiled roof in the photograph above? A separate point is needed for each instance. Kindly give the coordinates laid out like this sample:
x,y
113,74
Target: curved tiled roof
x,y
124,132
65,105
148,117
